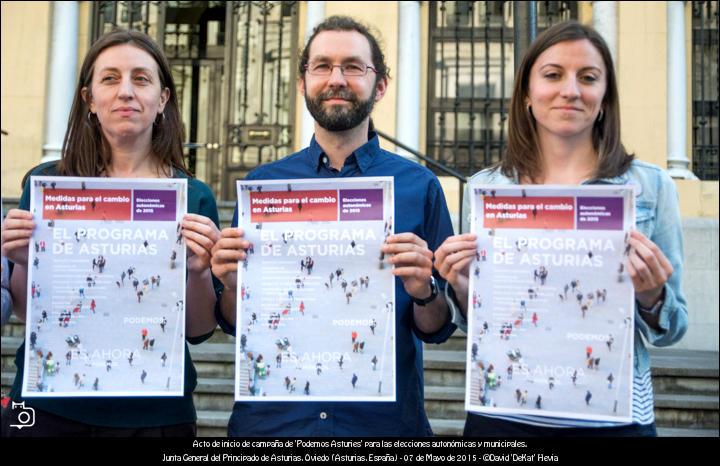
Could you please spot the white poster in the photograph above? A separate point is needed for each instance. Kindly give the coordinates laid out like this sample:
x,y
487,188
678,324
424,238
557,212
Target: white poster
x,y
106,288
316,301
550,302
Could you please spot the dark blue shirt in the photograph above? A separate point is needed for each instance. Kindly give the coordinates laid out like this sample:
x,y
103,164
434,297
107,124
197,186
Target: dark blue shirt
x,y
419,208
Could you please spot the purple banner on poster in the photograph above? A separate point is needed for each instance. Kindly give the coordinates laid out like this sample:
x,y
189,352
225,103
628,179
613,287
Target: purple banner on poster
x,y
154,205
599,213
361,204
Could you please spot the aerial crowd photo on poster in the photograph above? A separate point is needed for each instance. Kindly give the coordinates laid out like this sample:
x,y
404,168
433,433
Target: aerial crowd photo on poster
x,y
551,303
106,313
316,302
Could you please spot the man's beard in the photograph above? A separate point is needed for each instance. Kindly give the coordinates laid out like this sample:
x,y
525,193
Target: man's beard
x,y
338,117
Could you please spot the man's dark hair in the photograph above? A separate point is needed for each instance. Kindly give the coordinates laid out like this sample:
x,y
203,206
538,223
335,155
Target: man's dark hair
x,y
346,23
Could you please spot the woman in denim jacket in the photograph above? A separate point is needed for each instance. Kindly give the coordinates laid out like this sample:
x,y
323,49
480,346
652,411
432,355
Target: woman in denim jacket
x,y
564,128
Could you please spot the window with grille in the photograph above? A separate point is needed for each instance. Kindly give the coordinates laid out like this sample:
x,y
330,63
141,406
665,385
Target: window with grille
x,y
470,78
705,95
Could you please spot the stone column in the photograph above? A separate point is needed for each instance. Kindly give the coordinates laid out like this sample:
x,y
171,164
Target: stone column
x,y
605,21
407,116
678,163
62,77
315,15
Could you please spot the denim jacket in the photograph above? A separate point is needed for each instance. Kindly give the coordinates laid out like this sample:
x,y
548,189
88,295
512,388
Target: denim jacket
x,y
657,217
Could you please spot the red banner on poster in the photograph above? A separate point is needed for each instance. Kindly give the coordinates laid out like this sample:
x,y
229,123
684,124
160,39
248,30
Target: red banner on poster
x,y
87,204
294,206
545,213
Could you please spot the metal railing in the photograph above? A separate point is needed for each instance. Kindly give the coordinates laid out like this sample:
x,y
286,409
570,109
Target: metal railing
x,y
436,165
470,74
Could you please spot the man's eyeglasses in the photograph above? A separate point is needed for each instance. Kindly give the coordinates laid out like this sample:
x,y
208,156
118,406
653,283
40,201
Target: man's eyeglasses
x,y
348,69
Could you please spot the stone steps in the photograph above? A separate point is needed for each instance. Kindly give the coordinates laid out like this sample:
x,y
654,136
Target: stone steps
x,y
7,380
212,423
668,361
444,368
699,402
676,432
685,386
671,410
14,328
687,411
214,394
226,209
214,360
445,403
448,427
456,342
221,337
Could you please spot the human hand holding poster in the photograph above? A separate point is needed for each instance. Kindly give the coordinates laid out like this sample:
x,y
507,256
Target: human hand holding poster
x,y
99,323
316,301
551,307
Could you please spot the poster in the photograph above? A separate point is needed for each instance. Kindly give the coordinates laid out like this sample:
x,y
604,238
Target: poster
x,y
550,304
106,288
316,301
